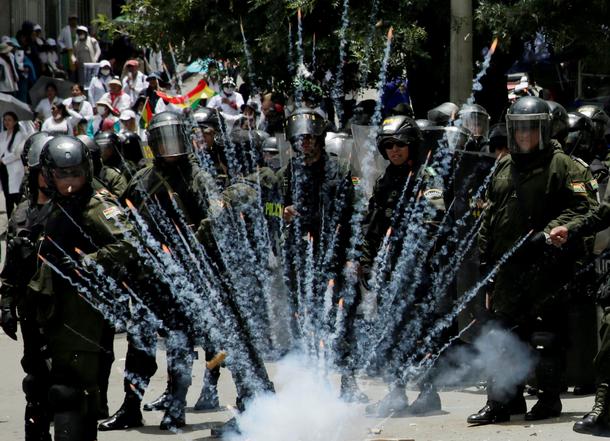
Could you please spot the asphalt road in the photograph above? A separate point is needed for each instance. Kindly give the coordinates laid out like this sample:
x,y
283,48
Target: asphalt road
x,y
448,425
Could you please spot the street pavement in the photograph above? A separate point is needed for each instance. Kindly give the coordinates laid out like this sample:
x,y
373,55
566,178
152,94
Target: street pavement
x,y
448,425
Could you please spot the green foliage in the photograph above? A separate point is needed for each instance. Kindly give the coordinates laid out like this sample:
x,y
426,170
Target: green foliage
x,y
574,29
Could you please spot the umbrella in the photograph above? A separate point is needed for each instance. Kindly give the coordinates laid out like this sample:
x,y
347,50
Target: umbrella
x,y
12,104
39,90
199,66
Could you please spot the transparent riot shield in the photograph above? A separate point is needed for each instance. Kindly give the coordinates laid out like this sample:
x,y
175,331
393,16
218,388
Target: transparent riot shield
x,y
366,161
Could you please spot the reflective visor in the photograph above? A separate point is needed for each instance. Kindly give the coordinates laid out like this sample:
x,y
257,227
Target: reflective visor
x,y
168,140
527,133
477,123
69,172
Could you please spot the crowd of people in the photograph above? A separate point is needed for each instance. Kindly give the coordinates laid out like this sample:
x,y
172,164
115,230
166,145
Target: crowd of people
x,y
96,192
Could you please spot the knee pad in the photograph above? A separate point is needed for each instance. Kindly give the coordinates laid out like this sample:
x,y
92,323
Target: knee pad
x,y
33,388
65,398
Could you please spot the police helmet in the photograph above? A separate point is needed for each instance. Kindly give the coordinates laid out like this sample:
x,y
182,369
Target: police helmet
x,y
399,129
559,121
167,136
131,146
65,156
108,141
498,138
271,145
443,114
32,148
476,119
580,137
208,118
528,125
599,119
305,121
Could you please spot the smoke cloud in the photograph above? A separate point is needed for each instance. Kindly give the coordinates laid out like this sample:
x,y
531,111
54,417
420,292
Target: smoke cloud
x,y
306,407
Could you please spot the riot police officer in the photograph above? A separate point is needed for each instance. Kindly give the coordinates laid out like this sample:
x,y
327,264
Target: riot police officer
x,y
84,228
213,128
25,228
399,141
318,198
105,176
170,176
533,189
112,154
475,119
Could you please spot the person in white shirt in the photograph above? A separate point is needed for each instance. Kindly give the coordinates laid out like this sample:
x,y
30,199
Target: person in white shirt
x,y
11,166
77,105
79,109
228,101
66,37
43,108
99,83
86,50
119,100
9,78
59,122
134,81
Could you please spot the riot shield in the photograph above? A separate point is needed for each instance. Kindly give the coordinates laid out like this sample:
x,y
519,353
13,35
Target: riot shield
x,y
366,161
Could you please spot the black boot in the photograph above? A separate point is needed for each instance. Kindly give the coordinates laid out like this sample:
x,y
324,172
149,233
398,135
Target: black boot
x,y
126,417
350,392
208,400
160,403
174,414
493,412
228,428
394,402
596,420
173,419
517,404
547,406
427,401
37,423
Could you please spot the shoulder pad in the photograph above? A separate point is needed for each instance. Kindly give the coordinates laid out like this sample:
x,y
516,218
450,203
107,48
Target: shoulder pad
x,y
580,161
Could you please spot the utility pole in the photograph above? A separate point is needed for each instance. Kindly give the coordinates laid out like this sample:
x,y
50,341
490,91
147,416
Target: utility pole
x,y
460,70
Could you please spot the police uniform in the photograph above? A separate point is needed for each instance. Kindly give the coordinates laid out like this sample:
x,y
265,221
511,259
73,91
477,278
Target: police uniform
x,y
532,193
25,229
95,225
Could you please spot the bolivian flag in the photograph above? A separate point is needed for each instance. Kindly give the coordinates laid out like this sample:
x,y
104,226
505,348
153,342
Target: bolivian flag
x,y
147,114
192,98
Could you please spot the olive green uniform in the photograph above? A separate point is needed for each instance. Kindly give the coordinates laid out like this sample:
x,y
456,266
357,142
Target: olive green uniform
x,y
70,315
532,194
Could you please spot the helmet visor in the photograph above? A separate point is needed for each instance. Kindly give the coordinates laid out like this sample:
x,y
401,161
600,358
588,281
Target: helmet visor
x,y
70,172
168,140
477,123
527,132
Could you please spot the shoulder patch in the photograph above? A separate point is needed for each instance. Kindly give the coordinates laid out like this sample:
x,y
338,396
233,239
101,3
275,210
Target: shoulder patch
x,y
579,187
111,212
593,184
355,181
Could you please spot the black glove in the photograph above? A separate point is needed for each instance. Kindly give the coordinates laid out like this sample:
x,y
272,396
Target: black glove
x,y
8,320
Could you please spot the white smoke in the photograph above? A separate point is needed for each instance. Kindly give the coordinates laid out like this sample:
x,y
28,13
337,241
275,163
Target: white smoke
x,y
306,407
496,353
